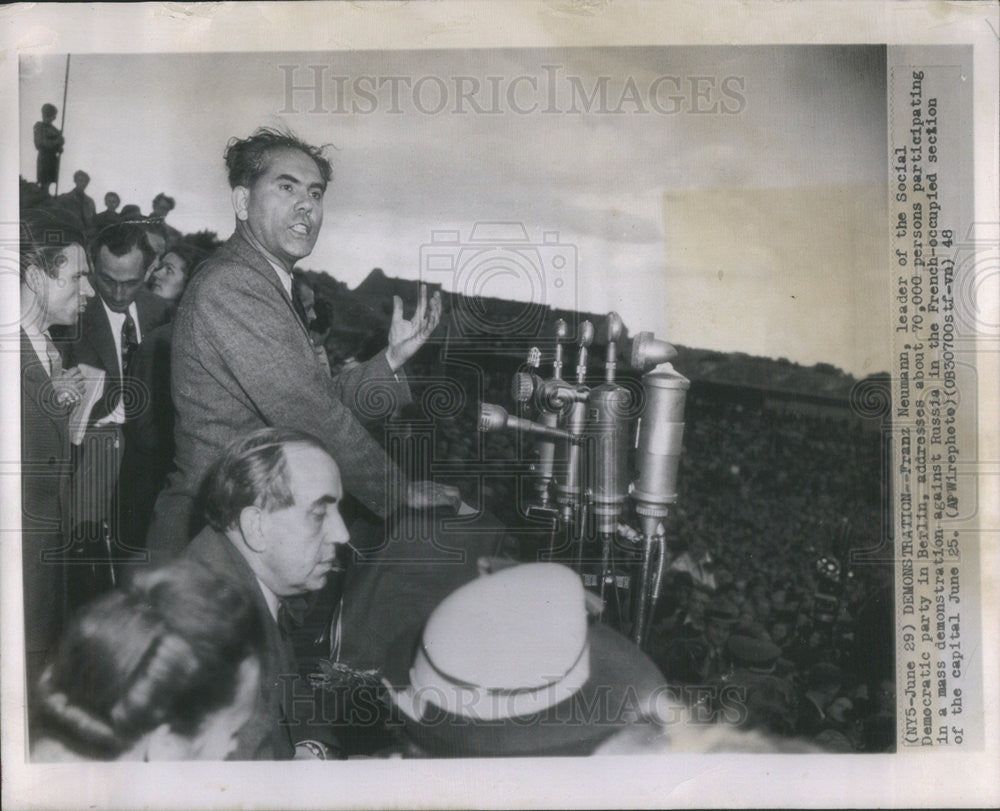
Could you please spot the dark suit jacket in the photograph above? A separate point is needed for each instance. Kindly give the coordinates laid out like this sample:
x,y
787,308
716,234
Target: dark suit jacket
x,y
46,470
277,721
104,453
96,344
149,438
241,360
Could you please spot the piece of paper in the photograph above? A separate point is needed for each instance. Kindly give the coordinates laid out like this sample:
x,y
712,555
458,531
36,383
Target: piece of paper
x,y
93,382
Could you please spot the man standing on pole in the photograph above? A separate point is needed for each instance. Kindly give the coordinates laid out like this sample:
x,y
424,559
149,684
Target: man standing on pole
x,y
242,359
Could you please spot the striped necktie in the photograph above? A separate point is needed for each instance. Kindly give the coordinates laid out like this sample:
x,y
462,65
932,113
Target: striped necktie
x,y
130,342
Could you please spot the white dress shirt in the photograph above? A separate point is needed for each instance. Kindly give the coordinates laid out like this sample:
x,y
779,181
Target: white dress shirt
x,y
117,321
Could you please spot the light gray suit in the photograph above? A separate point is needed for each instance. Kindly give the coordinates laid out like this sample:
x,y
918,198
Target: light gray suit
x,y
242,360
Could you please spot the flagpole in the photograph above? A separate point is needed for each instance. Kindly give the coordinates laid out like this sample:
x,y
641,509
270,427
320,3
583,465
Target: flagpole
x,y
62,121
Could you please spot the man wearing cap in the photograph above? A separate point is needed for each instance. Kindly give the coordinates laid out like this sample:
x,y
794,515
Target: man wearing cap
x,y
769,699
699,655
822,686
273,509
49,142
508,665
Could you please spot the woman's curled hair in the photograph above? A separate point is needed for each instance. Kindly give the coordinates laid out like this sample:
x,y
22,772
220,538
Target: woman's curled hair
x,y
167,649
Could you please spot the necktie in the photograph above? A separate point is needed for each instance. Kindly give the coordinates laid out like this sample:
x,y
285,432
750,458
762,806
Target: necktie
x,y
129,345
292,613
130,342
55,359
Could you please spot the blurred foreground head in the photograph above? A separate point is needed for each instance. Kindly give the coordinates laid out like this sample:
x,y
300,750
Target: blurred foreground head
x,y
511,665
514,664
165,669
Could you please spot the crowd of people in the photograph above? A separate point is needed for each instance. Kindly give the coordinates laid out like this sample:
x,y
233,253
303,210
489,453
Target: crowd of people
x,y
190,420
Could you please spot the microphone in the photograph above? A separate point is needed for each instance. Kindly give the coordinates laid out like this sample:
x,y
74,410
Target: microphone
x,y
647,351
607,453
494,418
613,328
658,446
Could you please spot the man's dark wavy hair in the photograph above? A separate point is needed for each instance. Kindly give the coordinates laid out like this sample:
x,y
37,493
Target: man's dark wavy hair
x,y
246,159
252,470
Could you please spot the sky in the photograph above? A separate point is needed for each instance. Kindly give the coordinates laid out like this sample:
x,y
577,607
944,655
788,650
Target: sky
x,y
724,198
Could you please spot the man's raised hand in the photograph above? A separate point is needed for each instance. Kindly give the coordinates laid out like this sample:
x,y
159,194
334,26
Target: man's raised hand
x,y
406,337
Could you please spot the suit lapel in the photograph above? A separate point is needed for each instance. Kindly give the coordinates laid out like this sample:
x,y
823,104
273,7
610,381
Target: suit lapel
x,y
97,330
251,257
279,656
36,385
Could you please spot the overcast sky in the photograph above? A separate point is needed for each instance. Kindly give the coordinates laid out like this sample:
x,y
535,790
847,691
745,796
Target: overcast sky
x,y
757,225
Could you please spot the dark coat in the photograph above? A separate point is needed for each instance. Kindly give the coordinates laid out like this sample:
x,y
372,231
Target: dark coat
x,y
80,205
149,438
46,469
277,721
96,345
49,143
101,454
241,360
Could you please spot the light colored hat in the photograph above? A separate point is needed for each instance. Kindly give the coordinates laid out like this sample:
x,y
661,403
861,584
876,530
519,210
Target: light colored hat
x,y
509,665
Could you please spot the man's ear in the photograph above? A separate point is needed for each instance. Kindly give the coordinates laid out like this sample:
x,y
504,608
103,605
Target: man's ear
x,y
241,199
252,529
34,277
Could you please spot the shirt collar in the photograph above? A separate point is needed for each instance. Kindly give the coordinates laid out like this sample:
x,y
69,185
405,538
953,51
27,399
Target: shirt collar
x,y
32,331
118,318
283,276
272,599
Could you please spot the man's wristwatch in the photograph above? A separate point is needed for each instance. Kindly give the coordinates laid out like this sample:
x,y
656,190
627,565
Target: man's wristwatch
x,y
315,748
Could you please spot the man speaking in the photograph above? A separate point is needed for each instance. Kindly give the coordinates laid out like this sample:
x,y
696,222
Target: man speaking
x,y
242,360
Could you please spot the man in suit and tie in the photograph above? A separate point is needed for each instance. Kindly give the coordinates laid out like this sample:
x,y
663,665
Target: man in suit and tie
x,y
273,509
54,290
111,330
242,358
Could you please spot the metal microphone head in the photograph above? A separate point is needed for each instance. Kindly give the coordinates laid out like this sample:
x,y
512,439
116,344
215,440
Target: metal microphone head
x,y
523,386
647,351
535,357
562,329
586,334
614,326
491,417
